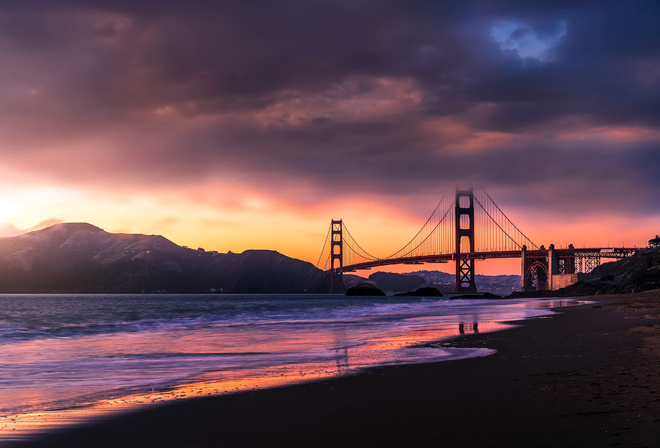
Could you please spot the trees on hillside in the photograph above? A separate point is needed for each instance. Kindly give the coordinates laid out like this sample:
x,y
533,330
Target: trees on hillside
x,y
655,242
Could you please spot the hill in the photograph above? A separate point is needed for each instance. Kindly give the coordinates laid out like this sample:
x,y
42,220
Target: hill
x,y
398,283
82,258
496,284
640,272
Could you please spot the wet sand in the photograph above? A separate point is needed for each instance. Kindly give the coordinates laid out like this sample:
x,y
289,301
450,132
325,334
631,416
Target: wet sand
x,y
587,377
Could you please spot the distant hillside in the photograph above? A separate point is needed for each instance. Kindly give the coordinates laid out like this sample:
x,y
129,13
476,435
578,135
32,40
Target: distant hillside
x,y
501,285
397,283
79,257
393,283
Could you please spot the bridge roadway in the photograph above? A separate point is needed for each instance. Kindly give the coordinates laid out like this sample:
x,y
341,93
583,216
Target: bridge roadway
x,y
617,253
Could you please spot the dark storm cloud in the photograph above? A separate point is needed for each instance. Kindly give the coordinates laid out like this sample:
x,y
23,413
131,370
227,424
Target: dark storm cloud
x,y
584,176
291,89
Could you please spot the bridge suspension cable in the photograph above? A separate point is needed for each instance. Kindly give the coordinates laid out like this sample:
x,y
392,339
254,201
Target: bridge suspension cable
x,y
436,235
355,253
488,232
324,252
495,231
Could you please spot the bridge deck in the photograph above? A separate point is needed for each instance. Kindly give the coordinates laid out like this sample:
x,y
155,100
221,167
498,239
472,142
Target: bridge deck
x,y
593,252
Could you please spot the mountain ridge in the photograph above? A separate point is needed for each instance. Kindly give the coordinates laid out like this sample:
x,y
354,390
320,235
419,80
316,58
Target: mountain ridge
x,y
80,257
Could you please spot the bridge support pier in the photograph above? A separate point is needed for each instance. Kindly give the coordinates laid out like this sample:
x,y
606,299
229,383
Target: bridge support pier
x,y
336,255
464,231
536,268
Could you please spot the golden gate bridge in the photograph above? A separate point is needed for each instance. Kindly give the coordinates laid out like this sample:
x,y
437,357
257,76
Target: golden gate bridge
x,y
464,228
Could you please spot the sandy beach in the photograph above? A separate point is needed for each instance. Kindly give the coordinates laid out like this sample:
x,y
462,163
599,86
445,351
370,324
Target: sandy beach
x,y
586,377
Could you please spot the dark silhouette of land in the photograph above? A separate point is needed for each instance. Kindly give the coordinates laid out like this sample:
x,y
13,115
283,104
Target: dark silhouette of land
x,y
82,258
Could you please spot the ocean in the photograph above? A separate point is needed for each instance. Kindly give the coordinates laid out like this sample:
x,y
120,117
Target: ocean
x,y
68,357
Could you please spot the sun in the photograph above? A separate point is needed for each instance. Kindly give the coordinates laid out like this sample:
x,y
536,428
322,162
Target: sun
x,y
8,210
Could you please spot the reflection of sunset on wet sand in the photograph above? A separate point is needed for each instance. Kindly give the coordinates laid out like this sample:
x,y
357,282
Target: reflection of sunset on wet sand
x,y
582,377
74,378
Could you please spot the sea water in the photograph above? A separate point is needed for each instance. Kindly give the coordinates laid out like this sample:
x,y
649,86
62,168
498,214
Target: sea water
x,y
61,353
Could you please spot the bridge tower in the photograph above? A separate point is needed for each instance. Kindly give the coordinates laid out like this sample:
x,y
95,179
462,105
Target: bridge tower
x,y
464,232
336,255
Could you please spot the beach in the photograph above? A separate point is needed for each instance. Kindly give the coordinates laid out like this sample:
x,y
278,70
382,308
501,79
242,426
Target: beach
x,y
585,377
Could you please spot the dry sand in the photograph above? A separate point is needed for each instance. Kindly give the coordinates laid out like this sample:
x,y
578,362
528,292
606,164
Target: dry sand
x,y
589,376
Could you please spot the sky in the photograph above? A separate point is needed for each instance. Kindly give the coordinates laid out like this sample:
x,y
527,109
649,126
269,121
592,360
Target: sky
x,y
235,125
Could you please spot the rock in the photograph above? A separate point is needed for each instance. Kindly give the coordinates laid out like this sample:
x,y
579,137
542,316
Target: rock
x,y
485,295
427,291
364,289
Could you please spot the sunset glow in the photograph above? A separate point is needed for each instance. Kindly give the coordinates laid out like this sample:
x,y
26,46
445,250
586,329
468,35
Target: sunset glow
x,y
234,130
332,221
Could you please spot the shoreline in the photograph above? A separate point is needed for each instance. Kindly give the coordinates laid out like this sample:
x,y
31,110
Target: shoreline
x,y
579,378
400,345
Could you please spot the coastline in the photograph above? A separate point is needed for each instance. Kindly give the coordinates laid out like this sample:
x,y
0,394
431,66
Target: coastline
x,y
585,377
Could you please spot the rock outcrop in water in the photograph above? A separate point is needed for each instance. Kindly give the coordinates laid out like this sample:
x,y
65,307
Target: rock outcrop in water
x,y
426,291
364,289
483,296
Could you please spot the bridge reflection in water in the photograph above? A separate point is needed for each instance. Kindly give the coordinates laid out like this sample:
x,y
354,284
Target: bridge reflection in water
x,y
463,229
469,328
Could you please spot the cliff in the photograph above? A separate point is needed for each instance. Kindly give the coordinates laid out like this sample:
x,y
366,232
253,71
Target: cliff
x,y
640,272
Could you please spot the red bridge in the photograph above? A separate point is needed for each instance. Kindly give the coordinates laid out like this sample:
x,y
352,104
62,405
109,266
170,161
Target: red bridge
x,y
464,229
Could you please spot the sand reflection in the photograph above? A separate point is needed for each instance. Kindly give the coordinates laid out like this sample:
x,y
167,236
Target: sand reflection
x,y
348,358
336,351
